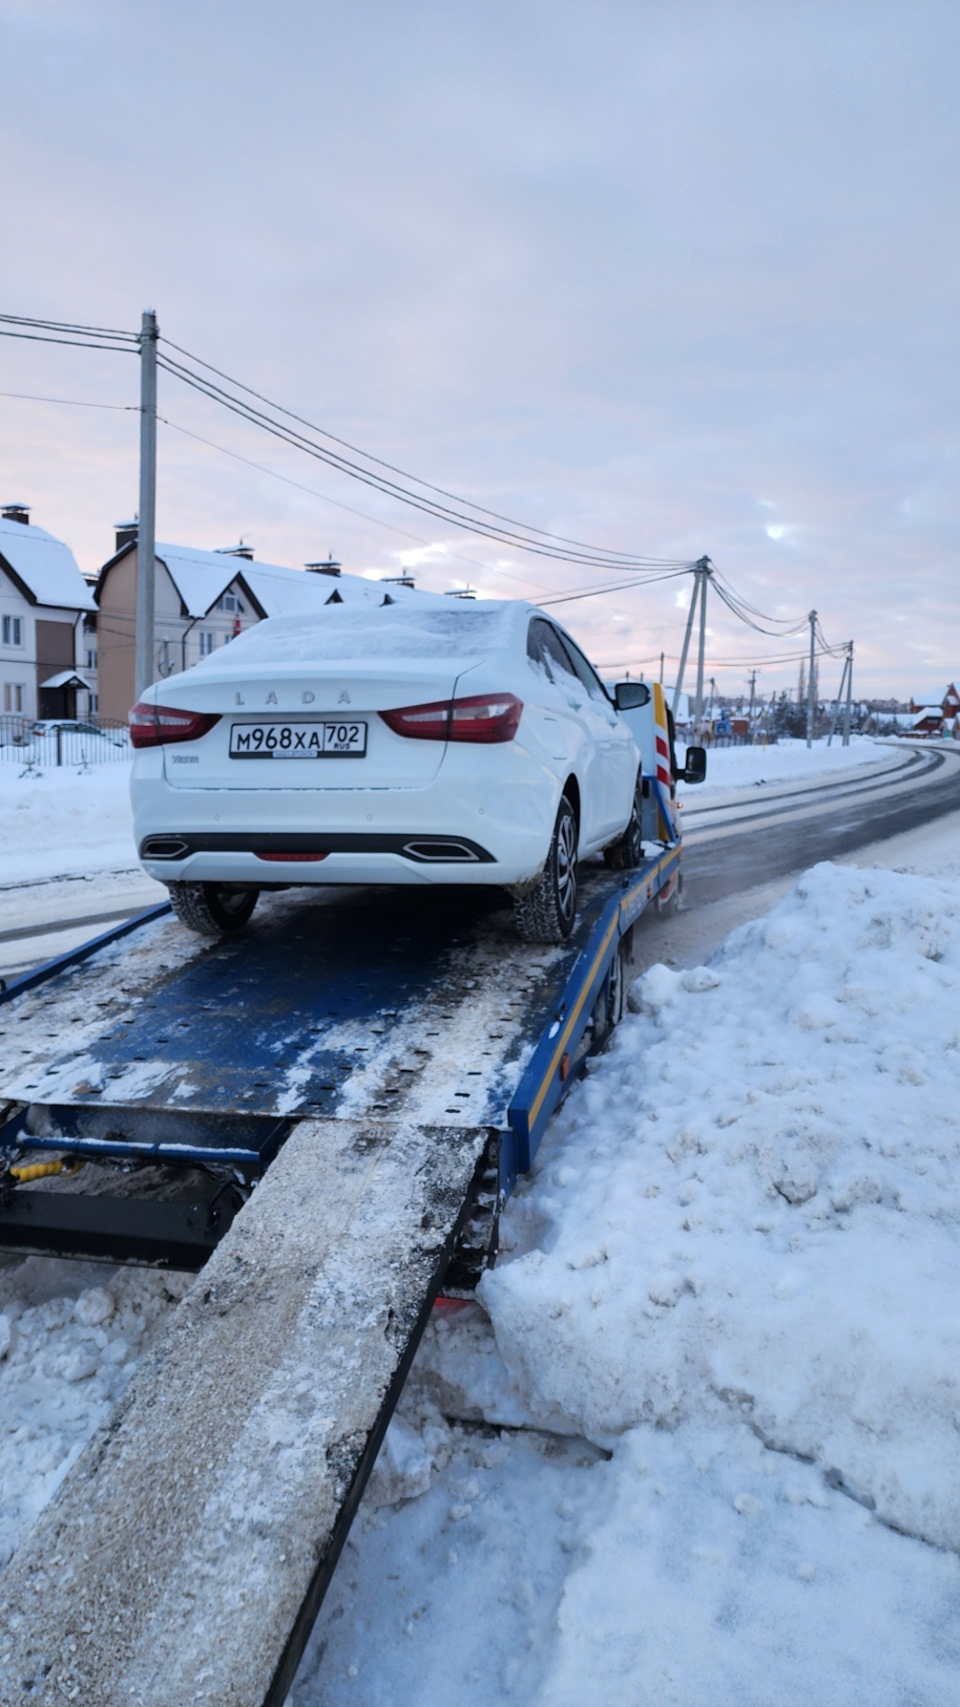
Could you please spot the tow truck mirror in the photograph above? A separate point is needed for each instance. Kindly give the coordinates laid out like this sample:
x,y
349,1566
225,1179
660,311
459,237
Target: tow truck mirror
x,y
695,768
629,696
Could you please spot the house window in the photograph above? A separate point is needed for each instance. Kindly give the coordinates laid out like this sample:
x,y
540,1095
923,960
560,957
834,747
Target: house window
x,y
12,631
230,602
12,694
91,663
206,642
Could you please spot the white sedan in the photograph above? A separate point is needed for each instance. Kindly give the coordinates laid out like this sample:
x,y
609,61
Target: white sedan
x,y
468,742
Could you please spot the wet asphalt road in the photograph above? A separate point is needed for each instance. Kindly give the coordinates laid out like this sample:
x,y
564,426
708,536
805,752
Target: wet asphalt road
x,y
793,830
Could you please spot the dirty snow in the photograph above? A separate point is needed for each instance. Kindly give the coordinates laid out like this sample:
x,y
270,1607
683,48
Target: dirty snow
x,y
71,1336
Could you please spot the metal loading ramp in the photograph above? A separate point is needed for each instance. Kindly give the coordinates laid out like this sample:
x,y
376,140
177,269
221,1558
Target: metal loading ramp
x,y
192,1543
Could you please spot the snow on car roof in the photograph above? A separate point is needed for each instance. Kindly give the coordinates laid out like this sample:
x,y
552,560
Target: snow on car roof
x,y
45,565
337,632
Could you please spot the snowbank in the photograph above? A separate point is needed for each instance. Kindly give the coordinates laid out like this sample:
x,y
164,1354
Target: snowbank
x,y
741,767
65,823
736,1273
757,1199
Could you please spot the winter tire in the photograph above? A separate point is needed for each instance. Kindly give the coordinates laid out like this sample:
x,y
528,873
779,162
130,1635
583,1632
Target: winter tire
x,y
212,909
548,912
627,853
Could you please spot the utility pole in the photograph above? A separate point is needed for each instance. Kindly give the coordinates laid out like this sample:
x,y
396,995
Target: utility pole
x,y
753,694
847,707
661,669
836,703
697,572
812,684
146,528
698,715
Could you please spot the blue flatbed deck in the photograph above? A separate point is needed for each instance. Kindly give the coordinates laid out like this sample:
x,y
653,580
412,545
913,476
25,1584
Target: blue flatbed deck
x,y
415,1004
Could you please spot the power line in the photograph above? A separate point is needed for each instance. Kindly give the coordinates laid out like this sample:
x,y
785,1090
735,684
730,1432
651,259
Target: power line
x,y
69,326
72,343
460,516
619,587
74,402
417,480
298,485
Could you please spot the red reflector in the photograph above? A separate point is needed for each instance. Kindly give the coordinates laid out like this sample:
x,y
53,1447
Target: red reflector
x,y
565,1067
159,725
292,856
486,717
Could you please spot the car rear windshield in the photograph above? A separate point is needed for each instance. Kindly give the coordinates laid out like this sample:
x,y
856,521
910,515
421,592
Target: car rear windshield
x,y
337,632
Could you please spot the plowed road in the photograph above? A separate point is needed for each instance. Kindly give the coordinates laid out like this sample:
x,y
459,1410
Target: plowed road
x,y
745,839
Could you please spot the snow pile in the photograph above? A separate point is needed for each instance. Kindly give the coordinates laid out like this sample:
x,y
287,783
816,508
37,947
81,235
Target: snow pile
x,y
724,1382
758,1200
71,1335
64,823
742,767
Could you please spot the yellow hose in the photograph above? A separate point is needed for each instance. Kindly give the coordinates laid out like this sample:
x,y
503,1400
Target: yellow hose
x,y
23,1172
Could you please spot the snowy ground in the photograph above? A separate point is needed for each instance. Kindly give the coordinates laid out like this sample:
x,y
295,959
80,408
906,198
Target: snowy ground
x,y
741,767
736,1273
65,822
701,1444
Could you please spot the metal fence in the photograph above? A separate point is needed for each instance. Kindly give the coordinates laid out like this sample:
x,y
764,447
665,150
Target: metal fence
x,y
37,745
686,736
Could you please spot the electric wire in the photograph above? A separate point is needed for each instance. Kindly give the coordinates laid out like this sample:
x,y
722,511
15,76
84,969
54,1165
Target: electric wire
x,y
73,402
69,326
71,343
455,510
418,539
428,485
391,489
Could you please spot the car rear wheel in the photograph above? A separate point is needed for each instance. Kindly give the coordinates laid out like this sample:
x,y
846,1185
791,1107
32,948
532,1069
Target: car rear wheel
x,y
547,913
626,853
212,909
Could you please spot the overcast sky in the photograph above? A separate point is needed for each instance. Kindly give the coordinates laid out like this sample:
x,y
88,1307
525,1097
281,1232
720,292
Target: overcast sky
x,y
674,278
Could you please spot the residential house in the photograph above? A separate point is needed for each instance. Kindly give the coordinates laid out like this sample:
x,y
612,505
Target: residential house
x,y
47,616
927,721
948,703
203,599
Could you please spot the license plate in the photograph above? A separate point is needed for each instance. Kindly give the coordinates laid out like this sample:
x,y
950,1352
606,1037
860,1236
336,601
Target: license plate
x,y
298,740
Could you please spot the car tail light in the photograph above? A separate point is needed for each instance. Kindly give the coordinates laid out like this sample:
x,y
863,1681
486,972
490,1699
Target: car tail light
x,y
484,717
158,725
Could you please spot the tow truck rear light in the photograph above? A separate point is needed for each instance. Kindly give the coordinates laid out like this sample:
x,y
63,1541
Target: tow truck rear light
x,y
485,717
159,725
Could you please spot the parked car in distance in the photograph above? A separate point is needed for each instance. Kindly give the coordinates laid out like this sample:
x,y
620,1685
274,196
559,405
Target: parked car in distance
x,y
422,743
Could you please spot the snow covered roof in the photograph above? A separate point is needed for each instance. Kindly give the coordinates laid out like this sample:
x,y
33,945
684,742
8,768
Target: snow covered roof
x,y
927,712
44,567
64,678
202,577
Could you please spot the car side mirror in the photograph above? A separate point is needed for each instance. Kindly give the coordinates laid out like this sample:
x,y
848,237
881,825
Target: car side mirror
x,y
695,768
629,696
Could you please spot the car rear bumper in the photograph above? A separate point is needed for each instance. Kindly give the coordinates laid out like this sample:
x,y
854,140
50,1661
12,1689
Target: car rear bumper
x,y
495,832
